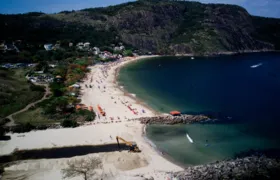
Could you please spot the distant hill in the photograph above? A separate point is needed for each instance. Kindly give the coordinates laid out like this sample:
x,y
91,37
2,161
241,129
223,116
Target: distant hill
x,y
159,26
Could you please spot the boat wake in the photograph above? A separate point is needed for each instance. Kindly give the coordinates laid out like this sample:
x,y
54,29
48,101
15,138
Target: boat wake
x,y
189,138
256,65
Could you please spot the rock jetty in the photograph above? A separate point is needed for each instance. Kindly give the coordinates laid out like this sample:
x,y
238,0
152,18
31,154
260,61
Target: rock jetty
x,y
183,119
246,168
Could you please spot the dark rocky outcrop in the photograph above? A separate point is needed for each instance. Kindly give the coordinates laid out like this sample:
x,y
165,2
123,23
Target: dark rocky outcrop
x,y
246,168
183,119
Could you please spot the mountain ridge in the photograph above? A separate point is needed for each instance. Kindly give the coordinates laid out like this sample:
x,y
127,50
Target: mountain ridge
x,y
165,27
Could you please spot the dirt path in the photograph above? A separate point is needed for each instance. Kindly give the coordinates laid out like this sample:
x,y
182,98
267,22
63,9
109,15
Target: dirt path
x,y
12,121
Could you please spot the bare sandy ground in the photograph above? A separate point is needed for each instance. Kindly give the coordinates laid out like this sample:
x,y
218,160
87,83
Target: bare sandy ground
x,y
117,165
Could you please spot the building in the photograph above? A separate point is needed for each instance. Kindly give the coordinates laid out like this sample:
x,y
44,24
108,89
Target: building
x,y
122,48
175,113
117,48
48,47
52,65
96,50
80,46
87,45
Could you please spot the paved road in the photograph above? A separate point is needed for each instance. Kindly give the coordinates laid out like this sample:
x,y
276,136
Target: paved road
x,y
12,121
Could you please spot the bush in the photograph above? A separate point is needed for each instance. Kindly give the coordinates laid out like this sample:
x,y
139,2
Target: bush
x,y
26,127
4,121
89,116
2,131
69,123
57,89
42,127
37,88
2,169
128,53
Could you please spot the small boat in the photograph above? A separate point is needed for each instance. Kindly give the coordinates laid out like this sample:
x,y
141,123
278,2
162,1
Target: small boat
x,y
256,65
192,58
189,138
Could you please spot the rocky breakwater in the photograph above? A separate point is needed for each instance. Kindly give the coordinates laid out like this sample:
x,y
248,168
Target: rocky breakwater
x,y
183,119
246,168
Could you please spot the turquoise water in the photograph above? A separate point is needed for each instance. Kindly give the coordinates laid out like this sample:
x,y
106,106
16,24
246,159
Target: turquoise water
x,y
241,90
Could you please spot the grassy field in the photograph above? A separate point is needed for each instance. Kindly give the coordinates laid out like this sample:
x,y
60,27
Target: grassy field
x,y
15,91
34,117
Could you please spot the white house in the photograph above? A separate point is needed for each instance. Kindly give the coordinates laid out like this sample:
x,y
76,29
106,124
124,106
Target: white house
x,y
75,86
48,47
96,50
52,65
80,45
122,48
87,45
117,48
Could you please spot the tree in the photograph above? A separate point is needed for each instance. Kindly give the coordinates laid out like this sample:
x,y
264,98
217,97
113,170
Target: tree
x,y
88,115
67,123
2,131
42,66
82,167
60,103
128,53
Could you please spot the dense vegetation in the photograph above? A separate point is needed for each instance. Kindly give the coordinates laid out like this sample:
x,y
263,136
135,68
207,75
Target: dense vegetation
x,y
16,92
60,107
149,25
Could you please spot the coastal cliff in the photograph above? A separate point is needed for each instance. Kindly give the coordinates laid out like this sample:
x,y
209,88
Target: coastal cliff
x,y
165,27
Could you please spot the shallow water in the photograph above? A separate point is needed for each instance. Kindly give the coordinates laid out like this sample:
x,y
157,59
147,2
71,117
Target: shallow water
x,y
242,90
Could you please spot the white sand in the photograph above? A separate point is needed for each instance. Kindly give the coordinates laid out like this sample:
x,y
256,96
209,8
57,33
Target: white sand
x,y
113,101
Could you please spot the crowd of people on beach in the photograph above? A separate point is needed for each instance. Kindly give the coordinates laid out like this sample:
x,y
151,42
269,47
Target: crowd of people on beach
x,y
99,80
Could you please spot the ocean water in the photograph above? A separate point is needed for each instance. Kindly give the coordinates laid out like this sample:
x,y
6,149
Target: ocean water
x,y
242,91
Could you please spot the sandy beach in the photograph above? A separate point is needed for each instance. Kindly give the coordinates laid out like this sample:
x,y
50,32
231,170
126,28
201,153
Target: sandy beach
x,y
120,109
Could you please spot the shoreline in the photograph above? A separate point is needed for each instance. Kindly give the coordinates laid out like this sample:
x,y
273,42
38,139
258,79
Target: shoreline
x,y
161,152
144,126
127,93
115,102
224,53
112,77
142,103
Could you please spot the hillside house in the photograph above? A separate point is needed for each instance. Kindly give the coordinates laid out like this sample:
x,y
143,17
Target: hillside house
x,y
119,48
52,65
105,55
86,45
96,50
48,47
80,46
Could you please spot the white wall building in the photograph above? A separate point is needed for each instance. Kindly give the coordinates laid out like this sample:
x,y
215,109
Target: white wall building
x,y
48,47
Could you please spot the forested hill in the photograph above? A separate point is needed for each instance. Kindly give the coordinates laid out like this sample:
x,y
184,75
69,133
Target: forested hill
x,y
158,26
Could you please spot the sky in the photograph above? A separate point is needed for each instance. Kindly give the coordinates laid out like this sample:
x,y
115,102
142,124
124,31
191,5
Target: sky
x,y
267,8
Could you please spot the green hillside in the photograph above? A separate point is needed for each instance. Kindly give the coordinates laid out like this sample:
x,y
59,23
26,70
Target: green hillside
x,y
159,26
16,92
